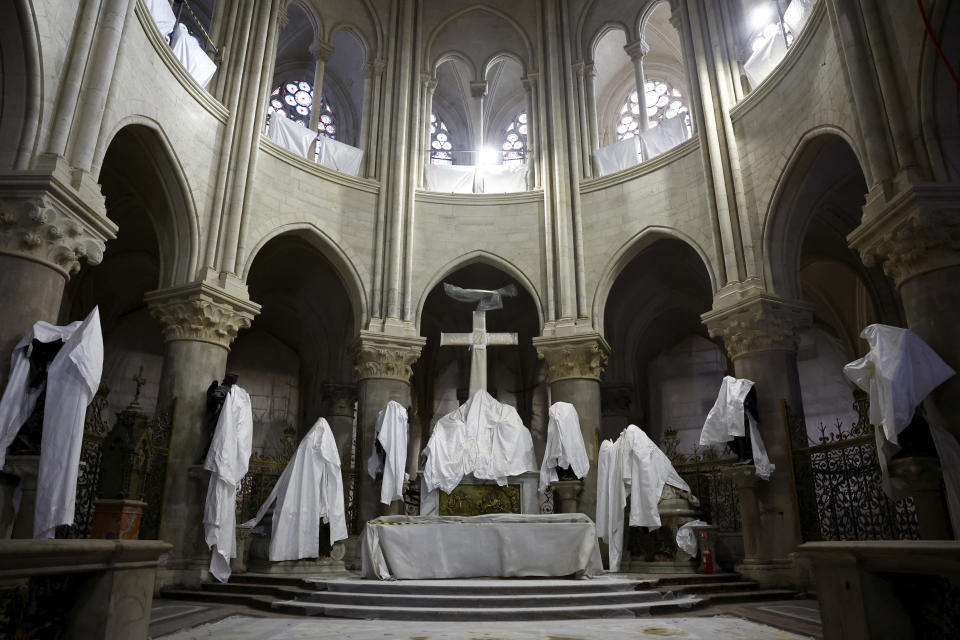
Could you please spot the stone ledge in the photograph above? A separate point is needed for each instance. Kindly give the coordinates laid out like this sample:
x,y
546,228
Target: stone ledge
x,y
25,558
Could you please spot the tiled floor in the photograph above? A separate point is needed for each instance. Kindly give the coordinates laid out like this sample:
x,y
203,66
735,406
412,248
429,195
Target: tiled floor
x,y
776,620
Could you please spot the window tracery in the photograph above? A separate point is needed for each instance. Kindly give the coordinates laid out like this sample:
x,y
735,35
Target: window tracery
x,y
663,102
441,148
515,141
295,100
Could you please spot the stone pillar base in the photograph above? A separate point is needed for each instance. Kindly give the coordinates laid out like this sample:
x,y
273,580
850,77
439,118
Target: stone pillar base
x,y
25,468
771,573
326,566
117,519
566,493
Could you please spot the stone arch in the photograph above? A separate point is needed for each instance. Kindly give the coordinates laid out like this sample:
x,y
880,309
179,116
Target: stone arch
x,y
432,58
338,259
481,257
22,87
643,16
600,33
630,250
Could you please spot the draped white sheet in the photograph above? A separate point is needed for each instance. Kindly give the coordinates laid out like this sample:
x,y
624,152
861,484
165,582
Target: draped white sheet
x,y
162,15
565,446
616,157
19,399
765,59
725,421
310,489
227,460
797,14
611,500
72,380
445,178
291,136
192,56
502,178
391,433
483,437
663,137
339,156
686,538
898,372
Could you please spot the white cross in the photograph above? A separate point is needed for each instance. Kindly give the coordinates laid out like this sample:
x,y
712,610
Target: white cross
x,y
478,341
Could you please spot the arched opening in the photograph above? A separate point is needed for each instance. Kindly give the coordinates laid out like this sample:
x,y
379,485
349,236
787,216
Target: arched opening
x,y
20,106
515,376
453,108
343,84
614,79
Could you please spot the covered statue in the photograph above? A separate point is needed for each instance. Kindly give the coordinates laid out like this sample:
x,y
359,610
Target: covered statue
x,y
389,454
729,418
565,448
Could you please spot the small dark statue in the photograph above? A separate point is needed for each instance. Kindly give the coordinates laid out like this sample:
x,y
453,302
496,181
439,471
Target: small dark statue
x,y
741,444
27,442
216,395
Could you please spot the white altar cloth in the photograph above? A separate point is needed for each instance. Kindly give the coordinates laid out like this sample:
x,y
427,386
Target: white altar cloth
x,y
504,545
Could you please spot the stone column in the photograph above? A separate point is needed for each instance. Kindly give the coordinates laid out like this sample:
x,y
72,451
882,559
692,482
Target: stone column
x,y
636,50
585,151
320,51
615,407
593,129
423,149
530,87
338,405
46,231
761,334
574,366
199,322
383,374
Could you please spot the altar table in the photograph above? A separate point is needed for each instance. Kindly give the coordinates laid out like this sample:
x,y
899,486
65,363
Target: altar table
x,y
492,545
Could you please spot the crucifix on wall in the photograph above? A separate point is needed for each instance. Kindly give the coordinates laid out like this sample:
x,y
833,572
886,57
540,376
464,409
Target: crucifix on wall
x,y
479,339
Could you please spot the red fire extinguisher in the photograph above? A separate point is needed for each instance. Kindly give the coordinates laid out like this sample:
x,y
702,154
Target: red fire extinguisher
x,y
707,561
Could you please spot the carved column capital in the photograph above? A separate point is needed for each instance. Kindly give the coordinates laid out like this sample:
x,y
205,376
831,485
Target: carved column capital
x,y
915,232
43,219
201,312
478,88
637,49
376,355
338,398
759,323
321,50
582,356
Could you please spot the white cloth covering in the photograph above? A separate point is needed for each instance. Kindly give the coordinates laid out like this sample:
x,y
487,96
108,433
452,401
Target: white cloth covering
x,y
227,460
483,437
391,433
797,14
565,446
496,545
162,15
725,421
686,538
293,137
765,59
616,157
72,380
310,489
632,460
502,178
663,137
898,372
448,178
192,56
18,399
339,156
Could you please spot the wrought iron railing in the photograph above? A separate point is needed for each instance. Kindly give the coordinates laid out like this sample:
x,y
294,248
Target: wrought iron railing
x,y
704,469
159,431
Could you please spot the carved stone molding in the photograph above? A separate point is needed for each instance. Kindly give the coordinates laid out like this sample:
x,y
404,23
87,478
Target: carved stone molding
x,y
377,355
637,49
916,232
201,312
582,356
759,323
338,398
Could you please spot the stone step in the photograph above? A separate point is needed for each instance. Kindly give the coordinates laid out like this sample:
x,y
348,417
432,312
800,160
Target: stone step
x,y
275,591
696,578
503,587
254,601
726,597
368,612
710,587
500,601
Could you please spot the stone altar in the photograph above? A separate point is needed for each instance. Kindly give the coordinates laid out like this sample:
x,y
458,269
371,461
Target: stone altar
x,y
520,493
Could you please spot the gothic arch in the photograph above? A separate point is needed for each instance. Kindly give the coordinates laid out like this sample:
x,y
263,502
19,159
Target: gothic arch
x,y
482,257
432,59
936,95
589,55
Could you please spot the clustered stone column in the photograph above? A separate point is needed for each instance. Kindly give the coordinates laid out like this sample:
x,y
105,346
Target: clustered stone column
x,y
383,374
338,408
199,322
637,50
574,367
761,334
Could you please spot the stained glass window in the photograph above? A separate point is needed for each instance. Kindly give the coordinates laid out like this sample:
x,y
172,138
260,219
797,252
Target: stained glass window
x,y
664,101
441,148
515,142
295,100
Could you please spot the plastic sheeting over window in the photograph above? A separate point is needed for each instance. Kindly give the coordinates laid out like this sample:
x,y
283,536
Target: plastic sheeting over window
x,y
339,156
461,178
192,56
290,135
771,42
617,157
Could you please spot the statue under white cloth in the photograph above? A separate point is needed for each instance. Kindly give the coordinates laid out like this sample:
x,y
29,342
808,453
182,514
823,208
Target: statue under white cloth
x,y
565,454
389,454
735,408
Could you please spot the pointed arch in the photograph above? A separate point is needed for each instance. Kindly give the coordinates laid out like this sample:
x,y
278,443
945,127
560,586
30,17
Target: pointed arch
x,y
430,57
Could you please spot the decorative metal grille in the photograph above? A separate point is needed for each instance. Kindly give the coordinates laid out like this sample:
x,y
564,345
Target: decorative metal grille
x,y
95,428
158,439
839,483
704,470
262,475
351,483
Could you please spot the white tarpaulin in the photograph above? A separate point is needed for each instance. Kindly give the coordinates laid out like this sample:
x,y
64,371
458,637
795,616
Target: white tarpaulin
x,y
339,156
765,59
663,137
502,178
447,178
293,137
391,457
725,421
564,445
310,489
486,299
163,15
686,537
898,372
72,380
483,437
506,545
192,56
227,461
19,399
797,14
616,157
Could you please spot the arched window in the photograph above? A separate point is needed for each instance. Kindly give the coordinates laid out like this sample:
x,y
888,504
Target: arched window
x,y
441,148
515,142
295,101
664,101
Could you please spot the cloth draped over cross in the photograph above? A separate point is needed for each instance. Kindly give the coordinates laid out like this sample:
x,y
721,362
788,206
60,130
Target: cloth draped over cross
x,y
633,461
